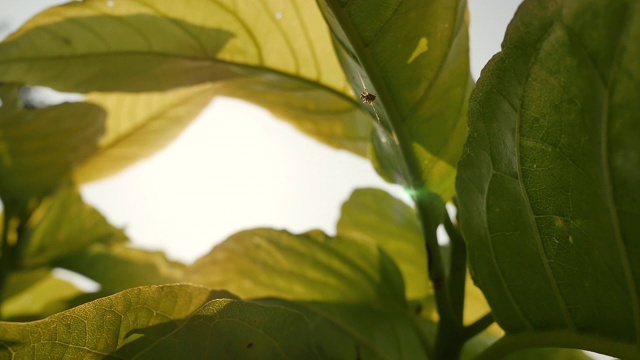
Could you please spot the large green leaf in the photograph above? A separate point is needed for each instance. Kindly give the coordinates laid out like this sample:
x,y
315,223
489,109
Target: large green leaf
x,y
39,147
350,290
414,55
548,184
272,52
64,224
163,322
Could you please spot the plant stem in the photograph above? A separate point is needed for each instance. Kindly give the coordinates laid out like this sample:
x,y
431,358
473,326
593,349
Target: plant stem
x,y
478,326
457,270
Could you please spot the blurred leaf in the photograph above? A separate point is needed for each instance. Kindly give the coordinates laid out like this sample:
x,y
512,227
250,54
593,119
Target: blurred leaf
x,y
118,267
64,224
413,55
350,290
548,189
373,216
39,147
276,53
43,295
268,263
162,322
140,124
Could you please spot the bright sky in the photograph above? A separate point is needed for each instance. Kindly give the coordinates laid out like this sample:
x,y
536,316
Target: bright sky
x,y
237,167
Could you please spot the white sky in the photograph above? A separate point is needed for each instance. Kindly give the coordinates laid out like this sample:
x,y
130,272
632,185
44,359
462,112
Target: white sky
x,y
258,171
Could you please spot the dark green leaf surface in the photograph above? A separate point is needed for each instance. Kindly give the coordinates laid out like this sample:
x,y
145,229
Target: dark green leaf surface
x,y
275,53
39,147
548,183
350,290
162,322
413,55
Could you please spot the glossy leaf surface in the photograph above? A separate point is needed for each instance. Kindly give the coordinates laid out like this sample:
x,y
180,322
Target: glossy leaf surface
x,y
548,184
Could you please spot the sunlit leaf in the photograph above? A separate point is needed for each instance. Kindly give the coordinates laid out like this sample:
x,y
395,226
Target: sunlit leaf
x,y
267,263
139,124
376,217
349,289
548,185
275,53
414,56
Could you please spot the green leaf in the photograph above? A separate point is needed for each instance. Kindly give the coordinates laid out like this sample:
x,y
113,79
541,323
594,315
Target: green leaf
x,y
414,56
42,295
139,124
350,290
39,147
163,322
268,263
373,216
548,184
64,224
118,267
275,53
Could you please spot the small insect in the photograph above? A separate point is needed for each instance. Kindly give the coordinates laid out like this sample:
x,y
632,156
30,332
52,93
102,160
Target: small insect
x,y
367,97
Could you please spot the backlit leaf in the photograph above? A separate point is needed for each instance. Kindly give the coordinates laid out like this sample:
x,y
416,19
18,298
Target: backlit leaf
x,y
275,53
349,289
376,217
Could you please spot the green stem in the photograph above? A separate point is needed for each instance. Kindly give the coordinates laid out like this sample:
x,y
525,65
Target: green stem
x,y
457,270
478,326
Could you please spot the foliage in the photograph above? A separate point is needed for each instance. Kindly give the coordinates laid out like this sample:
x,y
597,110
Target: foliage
x,y
546,184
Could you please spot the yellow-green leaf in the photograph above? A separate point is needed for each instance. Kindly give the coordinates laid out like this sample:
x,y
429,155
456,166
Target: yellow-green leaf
x,y
163,322
275,53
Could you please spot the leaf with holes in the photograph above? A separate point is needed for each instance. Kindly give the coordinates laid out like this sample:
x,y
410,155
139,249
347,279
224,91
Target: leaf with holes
x,y
548,186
